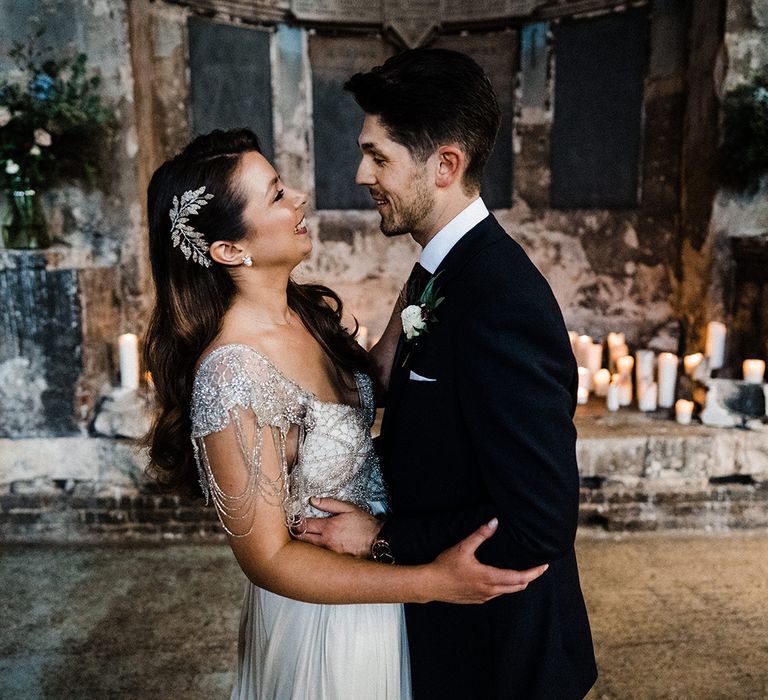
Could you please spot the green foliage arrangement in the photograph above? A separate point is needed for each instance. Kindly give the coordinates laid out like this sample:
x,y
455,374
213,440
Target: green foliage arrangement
x,y
54,125
744,149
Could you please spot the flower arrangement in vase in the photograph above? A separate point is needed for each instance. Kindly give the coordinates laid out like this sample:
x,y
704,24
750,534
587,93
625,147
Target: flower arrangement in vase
x,y
54,126
743,156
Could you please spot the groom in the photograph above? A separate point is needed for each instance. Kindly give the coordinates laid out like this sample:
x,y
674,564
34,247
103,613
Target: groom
x,y
478,421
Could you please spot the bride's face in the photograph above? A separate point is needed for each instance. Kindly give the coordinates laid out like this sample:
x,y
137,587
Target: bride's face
x,y
274,213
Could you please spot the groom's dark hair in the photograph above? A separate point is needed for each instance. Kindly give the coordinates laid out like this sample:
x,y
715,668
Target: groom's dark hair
x,y
428,97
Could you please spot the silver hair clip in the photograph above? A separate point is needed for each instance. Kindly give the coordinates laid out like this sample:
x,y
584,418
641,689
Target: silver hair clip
x,y
191,242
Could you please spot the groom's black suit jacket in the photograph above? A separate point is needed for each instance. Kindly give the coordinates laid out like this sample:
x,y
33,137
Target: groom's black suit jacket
x,y
492,436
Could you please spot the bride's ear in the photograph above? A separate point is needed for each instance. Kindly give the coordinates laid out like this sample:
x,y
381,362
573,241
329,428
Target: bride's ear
x,y
227,253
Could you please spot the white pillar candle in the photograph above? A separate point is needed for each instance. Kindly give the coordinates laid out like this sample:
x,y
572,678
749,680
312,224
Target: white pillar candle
x,y
128,345
625,391
754,371
582,395
585,378
624,365
362,336
692,362
615,353
601,381
715,346
645,360
594,357
612,397
647,396
683,411
582,349
616,339
667,379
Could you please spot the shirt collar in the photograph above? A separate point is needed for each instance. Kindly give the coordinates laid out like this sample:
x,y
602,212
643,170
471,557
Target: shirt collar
x,y
440,245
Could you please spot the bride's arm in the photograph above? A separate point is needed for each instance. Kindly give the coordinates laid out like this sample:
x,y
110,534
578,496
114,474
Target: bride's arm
x,y
272,560
383,353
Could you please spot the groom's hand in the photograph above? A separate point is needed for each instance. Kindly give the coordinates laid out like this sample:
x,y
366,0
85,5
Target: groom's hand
x,y
350,530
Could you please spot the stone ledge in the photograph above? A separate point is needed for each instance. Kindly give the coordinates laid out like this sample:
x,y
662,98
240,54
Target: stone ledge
x,y
639,472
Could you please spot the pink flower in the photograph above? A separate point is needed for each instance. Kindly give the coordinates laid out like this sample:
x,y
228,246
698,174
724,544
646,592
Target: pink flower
x,y
42,138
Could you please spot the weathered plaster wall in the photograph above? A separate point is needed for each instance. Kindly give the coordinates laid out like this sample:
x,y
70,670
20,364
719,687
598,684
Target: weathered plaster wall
x,y
736,215
97,232
609,269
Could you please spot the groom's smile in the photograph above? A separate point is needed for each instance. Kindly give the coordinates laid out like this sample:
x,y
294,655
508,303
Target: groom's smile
x,y
398,184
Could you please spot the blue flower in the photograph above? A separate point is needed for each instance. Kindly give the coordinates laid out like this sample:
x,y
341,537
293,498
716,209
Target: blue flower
x,y
41,86
761,95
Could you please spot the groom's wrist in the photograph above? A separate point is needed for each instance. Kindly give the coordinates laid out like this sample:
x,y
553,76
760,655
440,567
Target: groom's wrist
x,y
381,551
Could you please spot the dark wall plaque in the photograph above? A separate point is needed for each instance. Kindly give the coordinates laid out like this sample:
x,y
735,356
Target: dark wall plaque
x,y
337,118
596,137
496,53
40,328
230,79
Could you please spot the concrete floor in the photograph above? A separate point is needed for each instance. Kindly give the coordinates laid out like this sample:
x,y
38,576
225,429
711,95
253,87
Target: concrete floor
x,y
673,616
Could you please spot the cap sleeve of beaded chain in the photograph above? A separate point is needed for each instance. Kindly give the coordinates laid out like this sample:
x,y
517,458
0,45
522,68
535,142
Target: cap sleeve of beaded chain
x,y
239,389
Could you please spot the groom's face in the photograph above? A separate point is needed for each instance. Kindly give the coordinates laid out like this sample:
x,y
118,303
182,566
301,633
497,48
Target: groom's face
x,y
399,185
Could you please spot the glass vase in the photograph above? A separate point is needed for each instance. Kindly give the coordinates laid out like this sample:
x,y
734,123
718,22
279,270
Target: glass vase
x,y
25,225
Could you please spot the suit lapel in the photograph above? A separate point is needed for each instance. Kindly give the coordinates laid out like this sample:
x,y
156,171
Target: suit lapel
x,y
485,233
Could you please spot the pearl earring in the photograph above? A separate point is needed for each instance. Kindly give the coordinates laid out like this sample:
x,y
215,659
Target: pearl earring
x,y
247,261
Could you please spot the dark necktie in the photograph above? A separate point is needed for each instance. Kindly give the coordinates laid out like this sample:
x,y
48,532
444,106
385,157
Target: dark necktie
x,y
417,282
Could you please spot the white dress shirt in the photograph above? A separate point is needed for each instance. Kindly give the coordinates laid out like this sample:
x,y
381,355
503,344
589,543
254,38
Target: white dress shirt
x,y
435,251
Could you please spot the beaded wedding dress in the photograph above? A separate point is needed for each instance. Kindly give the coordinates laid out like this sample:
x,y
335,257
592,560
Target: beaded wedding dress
x,y
288,649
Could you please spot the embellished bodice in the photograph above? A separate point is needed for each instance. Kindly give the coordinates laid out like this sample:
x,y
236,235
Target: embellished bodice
x,y
236,386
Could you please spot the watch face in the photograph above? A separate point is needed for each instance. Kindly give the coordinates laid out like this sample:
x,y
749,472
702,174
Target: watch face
x,y
381,552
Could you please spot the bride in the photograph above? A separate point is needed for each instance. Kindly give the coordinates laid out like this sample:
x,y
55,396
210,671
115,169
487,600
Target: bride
x,y
277,399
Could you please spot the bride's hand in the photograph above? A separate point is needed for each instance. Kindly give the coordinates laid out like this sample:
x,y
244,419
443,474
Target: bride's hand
x,y
461,578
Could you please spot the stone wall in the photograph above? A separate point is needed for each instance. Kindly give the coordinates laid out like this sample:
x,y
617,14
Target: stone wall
x,y
739,224
71,301
639,270
638,472
610,269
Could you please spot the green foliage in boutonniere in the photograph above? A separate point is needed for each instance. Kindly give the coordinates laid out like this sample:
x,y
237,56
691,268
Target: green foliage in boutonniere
x,y
419,315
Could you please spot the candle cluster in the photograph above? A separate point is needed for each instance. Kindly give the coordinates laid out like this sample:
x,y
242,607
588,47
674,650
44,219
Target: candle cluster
x,y
653,377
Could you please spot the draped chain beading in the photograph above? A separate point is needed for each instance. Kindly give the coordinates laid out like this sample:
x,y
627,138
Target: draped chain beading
x,y
335,457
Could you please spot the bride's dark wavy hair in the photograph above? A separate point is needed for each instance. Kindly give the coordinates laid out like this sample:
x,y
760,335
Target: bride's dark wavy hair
x,y
191,300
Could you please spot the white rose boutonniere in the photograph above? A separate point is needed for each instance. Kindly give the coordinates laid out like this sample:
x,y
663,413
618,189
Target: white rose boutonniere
x,y
419,315
413,321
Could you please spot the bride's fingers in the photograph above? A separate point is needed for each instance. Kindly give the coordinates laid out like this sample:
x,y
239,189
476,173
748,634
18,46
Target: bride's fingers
x,y
510,578
473,541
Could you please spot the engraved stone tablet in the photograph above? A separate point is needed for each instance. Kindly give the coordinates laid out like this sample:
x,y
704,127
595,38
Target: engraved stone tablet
x,y
496,53
230,79
479,10
337,118
337,11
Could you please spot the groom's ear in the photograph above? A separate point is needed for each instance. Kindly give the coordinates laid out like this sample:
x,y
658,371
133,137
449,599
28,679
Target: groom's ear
x,y
450,165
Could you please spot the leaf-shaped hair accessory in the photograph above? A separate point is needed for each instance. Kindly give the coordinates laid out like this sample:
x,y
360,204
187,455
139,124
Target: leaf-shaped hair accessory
x,y
184,236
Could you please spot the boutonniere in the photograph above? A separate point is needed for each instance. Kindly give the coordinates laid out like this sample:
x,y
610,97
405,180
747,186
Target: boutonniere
x,y
418,316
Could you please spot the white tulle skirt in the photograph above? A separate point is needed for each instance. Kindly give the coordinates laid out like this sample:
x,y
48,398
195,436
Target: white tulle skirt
x,y
289,650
